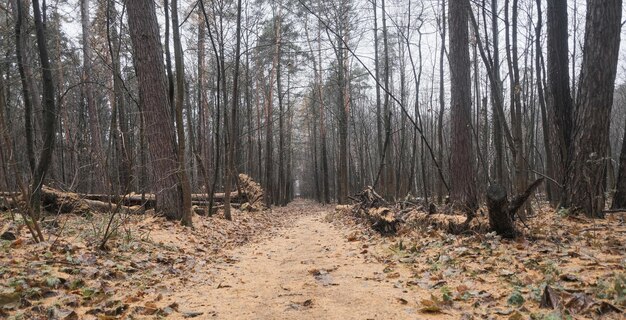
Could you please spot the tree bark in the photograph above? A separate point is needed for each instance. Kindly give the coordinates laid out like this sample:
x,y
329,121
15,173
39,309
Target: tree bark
x,y
269,138
155,106
549,162
49,113
121,134
502,210
23,66
619,198
463,188
234,125
442,93
94,120
594,103
559,101
180,126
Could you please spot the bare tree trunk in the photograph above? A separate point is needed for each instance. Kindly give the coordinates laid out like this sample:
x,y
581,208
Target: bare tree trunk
x,y
281,134
619,198
516,108
379,121
594,103
496,96
121,135
442,103
324,151
269,139
463,188
549,163
217,107
233,135
313,131
386,153
249,115
49,113
344,108
559,101
26,80
94,121
180,126
168,54
155,107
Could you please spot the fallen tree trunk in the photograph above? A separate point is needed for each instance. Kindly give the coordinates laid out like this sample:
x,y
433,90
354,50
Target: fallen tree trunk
x,y
54,200
149,201
249,197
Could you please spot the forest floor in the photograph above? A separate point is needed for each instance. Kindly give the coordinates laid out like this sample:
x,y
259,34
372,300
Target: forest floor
x,y
306,261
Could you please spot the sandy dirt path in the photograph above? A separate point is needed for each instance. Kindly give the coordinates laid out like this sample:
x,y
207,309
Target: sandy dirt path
x,y
307,271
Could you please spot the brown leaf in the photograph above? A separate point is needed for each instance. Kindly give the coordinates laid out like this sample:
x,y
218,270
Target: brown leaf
x,y
17,243
462,289
432,305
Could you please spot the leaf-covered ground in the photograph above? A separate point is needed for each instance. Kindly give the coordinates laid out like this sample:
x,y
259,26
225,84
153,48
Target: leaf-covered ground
x,y
577,266
306,261
67,277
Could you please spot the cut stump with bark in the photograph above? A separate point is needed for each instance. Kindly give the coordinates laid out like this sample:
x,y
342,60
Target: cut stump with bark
x,y
502,210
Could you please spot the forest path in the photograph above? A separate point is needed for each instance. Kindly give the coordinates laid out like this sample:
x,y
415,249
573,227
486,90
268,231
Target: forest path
x,y
309,270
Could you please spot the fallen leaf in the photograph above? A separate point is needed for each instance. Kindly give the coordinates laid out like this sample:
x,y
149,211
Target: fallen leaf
x,y
17,243
432,305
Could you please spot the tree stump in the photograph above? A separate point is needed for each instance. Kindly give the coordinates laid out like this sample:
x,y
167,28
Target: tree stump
x,y
502,211
500,218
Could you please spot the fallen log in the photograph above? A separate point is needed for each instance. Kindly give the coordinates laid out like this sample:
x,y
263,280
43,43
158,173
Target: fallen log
x,y
100,206
149,200
132,199
54,200
249,197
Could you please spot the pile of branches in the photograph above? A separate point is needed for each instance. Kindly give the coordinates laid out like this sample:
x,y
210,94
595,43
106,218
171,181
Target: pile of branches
x,y
371,206
254,194
386,218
